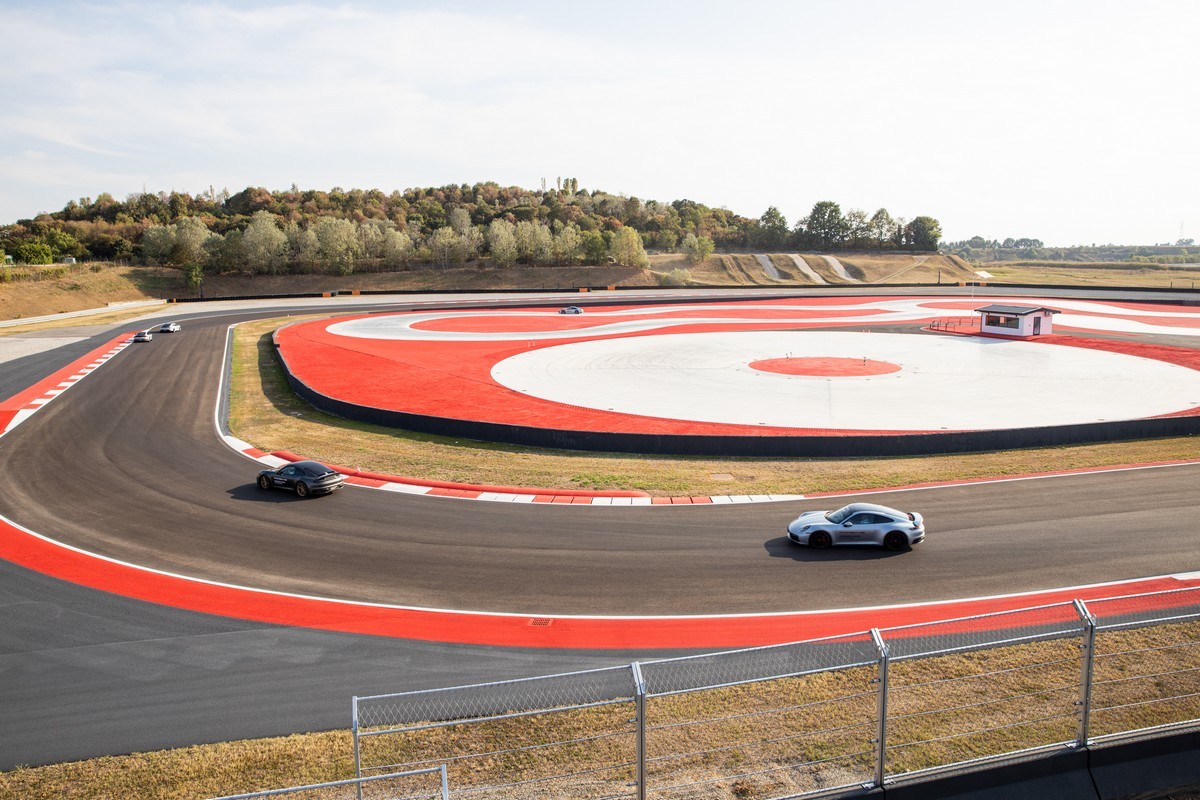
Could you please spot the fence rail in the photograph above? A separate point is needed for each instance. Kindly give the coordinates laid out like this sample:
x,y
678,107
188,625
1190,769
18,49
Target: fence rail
x,y
394,786
813,717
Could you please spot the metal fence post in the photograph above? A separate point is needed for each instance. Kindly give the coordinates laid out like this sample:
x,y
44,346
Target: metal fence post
x,y
639,686
1085,680
881,730
354,737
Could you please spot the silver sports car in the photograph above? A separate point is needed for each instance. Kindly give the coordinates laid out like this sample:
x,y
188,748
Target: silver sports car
x,y
858,523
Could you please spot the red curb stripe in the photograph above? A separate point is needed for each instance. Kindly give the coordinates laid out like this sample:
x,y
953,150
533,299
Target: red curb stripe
x,y
38,391
86,569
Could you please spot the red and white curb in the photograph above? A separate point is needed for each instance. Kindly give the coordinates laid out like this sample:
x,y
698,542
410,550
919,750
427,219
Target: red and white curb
x,y
392,483
20,407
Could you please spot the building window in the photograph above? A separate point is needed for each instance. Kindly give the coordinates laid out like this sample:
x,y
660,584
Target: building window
x,y
999,321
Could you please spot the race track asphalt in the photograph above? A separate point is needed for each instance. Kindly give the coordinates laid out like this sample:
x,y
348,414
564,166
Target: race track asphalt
x,y
127,465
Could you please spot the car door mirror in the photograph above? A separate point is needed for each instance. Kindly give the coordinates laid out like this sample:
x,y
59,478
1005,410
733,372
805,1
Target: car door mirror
x,y
847,524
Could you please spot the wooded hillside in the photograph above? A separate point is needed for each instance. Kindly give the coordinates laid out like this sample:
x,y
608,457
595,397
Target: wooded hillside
x,y
257,231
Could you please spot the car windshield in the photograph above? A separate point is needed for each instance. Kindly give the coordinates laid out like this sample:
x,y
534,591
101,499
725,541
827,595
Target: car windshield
x,y
839,515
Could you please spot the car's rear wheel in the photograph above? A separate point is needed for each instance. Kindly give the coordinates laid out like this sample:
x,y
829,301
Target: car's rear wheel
x,y
820,540
264,482
895,540
302,489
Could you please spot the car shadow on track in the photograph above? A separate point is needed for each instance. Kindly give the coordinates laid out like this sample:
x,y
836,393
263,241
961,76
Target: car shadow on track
x,y
781,547
251,492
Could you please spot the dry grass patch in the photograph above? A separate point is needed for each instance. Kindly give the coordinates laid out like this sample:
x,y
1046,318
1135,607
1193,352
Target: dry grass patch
x,y
905,268
1123,273
190,772
77,287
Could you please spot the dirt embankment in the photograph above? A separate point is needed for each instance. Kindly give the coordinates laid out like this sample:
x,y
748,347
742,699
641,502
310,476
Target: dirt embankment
x,y
36,291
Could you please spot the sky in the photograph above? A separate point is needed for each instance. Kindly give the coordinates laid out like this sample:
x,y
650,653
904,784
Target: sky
x,y
1068,121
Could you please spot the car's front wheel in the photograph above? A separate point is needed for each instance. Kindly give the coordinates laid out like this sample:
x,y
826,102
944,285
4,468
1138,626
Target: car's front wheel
x,y
302,489
819,540
264,482
895,540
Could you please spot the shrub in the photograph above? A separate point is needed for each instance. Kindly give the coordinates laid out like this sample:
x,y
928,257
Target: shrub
x,y
676,277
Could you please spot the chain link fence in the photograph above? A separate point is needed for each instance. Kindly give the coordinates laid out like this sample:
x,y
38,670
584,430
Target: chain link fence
x,y
571,735
809,718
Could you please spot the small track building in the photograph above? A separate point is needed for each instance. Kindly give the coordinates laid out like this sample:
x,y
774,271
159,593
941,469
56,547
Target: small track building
x,y
1007,320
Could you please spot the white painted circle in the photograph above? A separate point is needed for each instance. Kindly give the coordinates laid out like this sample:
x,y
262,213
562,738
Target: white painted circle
x,y
945,383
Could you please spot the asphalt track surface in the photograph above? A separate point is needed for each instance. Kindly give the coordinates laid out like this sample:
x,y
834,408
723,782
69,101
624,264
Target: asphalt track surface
x,y
127,465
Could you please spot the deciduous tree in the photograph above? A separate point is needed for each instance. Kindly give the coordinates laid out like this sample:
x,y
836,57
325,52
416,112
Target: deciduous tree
x,y
535,244
595,249
263,244
446,246
397,248
337,243
772,230
303,247
627,249
697,248
567,244
926,232
825,225
33,252
882,226
502,242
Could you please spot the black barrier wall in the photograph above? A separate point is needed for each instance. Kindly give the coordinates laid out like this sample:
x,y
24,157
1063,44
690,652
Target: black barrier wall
x,y
854,446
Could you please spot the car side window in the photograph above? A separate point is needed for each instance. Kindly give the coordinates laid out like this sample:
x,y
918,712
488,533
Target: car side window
x,y
859,519
288,471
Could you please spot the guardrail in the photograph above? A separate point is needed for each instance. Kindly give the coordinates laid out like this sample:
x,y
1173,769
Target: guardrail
x,y
953,323
854,712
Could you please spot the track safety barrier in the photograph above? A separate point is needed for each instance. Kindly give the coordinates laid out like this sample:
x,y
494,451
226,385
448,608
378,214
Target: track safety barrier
x,y
884,708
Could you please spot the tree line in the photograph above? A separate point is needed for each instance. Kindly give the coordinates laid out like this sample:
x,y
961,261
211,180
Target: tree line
x,y
263,231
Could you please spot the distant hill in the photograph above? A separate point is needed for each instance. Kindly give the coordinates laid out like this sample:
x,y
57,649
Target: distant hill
x,y
310,231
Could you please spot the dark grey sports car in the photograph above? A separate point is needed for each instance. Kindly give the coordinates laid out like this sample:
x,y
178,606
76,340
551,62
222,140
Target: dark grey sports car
x,y
303,478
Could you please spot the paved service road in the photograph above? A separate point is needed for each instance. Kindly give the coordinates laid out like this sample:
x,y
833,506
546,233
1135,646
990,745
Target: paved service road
x,y
127,465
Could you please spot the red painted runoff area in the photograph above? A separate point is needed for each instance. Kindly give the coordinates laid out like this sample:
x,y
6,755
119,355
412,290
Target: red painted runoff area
x,y
453,378
508,630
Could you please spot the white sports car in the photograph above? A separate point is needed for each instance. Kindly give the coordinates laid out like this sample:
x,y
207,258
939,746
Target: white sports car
x,y
858,523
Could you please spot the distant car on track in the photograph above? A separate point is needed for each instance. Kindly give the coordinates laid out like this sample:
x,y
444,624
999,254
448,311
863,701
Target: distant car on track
x,y
143,336
858,523
303,478
169,327
571,310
